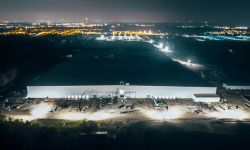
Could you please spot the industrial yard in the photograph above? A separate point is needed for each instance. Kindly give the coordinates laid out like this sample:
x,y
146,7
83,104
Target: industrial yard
x,y
154,86
233,108
128,123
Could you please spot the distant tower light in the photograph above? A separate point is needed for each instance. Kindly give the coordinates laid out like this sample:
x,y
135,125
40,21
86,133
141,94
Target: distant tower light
x,y
189,62
86,20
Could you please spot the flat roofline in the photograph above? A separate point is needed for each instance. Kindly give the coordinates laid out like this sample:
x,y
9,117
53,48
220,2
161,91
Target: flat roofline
x,y
236,84
118,85
206,95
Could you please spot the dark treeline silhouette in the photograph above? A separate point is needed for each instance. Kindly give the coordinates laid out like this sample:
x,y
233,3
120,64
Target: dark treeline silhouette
x,y
16,134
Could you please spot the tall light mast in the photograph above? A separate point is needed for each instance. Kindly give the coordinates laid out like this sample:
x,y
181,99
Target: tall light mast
x,y
86,20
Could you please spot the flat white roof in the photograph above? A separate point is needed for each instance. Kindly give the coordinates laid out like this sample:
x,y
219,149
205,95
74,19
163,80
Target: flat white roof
x,y
134,91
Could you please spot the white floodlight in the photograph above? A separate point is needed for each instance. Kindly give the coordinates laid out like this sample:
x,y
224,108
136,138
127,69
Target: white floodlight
x,y
189,62
161,45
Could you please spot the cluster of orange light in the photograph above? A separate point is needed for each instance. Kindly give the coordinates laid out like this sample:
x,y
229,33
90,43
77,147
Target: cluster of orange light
x,y
52,31
16,32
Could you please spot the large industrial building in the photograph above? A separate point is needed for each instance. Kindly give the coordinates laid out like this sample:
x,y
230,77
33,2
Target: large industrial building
x,y
124,91
98,70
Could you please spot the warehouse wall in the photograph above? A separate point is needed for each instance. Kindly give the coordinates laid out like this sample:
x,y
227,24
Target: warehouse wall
x,y
116,90
207,99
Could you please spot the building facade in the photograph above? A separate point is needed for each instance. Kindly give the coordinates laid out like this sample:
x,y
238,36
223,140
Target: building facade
x,y
76,92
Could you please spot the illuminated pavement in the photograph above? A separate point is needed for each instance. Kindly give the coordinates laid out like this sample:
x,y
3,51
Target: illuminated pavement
x,y
180,110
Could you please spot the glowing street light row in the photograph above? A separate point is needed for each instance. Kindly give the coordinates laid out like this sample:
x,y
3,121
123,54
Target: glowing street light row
x,y
119,37
162,47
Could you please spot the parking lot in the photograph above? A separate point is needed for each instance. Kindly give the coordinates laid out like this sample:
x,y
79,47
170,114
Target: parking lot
x,y
233,108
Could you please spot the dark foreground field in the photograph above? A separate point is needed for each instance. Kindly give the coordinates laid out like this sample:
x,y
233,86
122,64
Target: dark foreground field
x,y
139,135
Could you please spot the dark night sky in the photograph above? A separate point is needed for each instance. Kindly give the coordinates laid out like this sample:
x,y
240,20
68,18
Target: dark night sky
x,y
221,11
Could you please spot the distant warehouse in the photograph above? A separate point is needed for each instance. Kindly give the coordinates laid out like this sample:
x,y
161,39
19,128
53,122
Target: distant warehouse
x,y
236,87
